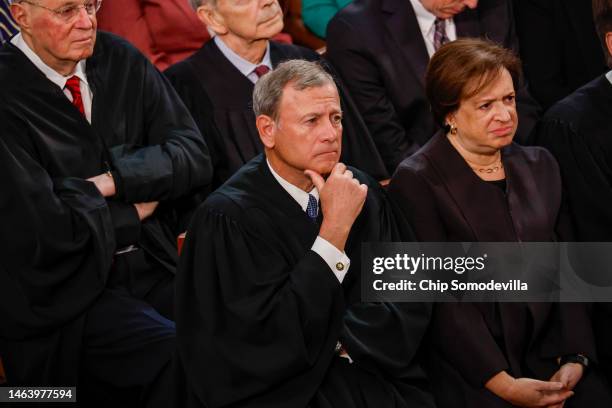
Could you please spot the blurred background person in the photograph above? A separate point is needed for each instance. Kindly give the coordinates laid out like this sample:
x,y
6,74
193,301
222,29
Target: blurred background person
x,y
381,49
471,183
166,31
318,13
559,47
216,84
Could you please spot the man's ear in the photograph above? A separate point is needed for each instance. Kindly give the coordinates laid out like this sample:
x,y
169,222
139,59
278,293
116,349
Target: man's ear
x,y
211,17
609,45
21,16
267,130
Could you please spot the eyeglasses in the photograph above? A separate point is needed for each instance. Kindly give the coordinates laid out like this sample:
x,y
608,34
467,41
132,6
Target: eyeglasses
x,y
69,12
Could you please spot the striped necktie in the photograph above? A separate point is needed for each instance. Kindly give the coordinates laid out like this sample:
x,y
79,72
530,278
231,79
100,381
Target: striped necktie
x,y
440,37
74,87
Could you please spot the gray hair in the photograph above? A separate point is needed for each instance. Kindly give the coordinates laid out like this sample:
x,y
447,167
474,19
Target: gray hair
x,y
197,3
301,74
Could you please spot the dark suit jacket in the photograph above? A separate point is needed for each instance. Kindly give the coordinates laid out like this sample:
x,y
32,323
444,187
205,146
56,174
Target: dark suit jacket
x,y
559,47
378,49
446,201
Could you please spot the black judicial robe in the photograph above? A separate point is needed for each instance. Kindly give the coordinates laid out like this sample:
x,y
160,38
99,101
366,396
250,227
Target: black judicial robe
x,y
58,233
471,342
578,131
220,98
258,313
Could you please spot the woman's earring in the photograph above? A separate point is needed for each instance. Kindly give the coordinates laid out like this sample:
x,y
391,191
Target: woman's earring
x,y
453,129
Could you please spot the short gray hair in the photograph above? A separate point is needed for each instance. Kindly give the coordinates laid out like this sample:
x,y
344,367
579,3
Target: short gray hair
x,y
301,74
197,3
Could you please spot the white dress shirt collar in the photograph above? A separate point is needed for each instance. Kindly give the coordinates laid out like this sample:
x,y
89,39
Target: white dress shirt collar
x,y
247,68
426,21
296,193
609,76
51,74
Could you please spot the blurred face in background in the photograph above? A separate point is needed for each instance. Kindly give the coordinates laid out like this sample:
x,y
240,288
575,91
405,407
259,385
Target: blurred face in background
x,y
448,8
247,20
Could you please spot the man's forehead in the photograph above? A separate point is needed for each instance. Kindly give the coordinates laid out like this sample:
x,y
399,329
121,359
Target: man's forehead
x,y
305,99
52,4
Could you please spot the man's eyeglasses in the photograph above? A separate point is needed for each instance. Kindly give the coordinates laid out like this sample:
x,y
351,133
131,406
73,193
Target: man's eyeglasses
x,y
69,12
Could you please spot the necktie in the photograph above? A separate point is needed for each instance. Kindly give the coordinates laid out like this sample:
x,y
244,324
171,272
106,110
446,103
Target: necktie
x,y
440,37
261,70
74,87
313,208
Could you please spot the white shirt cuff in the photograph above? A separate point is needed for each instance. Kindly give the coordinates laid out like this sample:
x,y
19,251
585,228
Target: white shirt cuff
x,y
338,261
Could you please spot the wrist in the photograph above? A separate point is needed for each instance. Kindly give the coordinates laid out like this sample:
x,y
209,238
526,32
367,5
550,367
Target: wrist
x,y
579,359
501,385
333,234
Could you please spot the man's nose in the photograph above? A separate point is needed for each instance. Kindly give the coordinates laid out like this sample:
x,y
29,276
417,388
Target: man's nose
x,y
330,131
84,19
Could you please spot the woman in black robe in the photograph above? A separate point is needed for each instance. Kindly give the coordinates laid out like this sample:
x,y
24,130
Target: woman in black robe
x,y
471,183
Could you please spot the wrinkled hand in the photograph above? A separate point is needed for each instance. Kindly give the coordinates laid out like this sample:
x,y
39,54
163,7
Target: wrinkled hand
x,y
105,184
568,374
342,198
527,392
146,209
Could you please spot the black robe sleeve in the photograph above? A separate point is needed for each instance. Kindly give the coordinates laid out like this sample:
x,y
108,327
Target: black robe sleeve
x,y
57,241
255,330
174,158
587,192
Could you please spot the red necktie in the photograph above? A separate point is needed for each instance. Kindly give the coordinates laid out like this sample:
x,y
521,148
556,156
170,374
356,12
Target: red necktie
x,y
262,70
73,85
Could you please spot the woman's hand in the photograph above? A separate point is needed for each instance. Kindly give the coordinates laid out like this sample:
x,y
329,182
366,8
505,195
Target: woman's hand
x,y
527,392
568,374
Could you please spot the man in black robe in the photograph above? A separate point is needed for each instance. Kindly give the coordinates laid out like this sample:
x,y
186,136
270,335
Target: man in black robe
x,y
268,294
216,84
559,49
578,130
99,159
381,49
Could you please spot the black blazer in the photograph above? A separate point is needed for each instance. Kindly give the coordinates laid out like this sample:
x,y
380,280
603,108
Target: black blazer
x,y
379,51
560,48
471,342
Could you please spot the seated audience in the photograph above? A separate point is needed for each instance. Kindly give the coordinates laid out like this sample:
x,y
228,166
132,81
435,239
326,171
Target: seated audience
x,y
166,31
294,26
577,131
559,47
95,149
381,49
471,183
317,13
217,84
269,310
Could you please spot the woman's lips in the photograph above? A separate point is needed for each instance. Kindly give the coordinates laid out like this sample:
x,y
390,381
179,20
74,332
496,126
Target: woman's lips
x,y
503,131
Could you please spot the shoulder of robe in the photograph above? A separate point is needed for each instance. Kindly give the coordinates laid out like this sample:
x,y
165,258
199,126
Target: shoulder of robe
x,y
110,46
578,105
292,51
